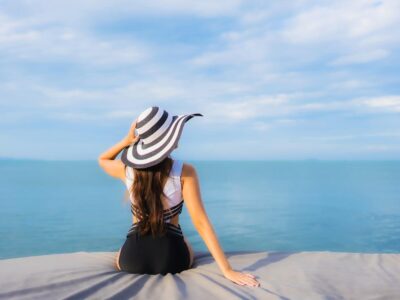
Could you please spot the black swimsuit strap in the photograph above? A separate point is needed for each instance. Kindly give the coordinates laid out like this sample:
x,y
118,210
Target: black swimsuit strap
x,y
171,228
169,212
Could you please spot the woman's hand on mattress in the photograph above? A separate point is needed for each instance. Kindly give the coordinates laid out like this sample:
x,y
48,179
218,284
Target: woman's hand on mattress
x,y
241,278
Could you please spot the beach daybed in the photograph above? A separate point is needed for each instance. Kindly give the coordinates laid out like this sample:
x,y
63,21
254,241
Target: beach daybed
x,y
282,275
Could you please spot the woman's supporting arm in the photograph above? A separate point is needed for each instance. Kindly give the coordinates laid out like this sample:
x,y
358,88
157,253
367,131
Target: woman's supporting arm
x,y
194,204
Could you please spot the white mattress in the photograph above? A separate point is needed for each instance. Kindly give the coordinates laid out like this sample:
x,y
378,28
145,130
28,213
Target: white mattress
x,y
283,275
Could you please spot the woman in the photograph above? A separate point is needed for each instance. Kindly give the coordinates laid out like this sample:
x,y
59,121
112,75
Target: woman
x,y
157,186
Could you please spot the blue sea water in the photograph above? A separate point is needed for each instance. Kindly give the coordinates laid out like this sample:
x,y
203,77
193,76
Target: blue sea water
x,y
66,206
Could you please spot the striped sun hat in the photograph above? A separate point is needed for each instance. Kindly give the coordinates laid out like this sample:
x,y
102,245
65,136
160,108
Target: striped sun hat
x,y
159,133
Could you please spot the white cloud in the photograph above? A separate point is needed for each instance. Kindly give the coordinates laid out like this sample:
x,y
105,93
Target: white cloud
x,y
37,41
384,103
246,108
83,12
76,116
347,84
261,126
356,32
342,20
208,8
287,121
296,105
363,57
238,50
274,123
354,136
14,31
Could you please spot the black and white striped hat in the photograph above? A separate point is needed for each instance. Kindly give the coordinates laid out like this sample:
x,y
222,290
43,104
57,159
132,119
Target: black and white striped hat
x,y
159,133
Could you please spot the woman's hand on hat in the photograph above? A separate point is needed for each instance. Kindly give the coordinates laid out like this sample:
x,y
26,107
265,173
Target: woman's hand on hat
x,y
130,138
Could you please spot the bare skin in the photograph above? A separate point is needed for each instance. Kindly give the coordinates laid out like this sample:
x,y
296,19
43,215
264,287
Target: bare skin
x,y
194,204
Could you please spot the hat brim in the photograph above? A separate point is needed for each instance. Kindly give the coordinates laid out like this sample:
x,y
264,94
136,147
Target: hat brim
x,y
139,158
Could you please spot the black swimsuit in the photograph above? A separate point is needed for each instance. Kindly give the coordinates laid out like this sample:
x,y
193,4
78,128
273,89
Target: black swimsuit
x,y
156,255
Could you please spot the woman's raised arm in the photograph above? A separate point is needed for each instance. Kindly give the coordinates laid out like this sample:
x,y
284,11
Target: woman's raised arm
x,y
115,167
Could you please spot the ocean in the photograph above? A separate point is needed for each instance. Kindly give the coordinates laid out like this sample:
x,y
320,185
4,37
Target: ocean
x,y
51,207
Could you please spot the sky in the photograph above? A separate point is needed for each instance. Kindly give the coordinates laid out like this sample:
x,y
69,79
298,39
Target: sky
x,y
273,79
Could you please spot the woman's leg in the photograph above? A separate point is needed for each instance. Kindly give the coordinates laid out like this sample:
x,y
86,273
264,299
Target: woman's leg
x,y
190,251
117,261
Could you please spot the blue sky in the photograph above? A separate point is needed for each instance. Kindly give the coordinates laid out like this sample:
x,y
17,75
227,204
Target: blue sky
x,y
273,79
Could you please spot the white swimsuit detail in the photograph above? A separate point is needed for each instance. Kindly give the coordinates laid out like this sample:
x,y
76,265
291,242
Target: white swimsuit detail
x,y
172,189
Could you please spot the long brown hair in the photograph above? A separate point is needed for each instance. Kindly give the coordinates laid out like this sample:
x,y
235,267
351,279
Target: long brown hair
x,y
147,189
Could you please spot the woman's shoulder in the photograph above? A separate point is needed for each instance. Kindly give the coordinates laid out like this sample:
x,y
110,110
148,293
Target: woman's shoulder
x,y
188,169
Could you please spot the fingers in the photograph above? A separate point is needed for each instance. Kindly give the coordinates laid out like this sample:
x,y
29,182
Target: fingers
x,y
248,274
243,278
134,123
239,282
246,282
242,282
132,131
250,279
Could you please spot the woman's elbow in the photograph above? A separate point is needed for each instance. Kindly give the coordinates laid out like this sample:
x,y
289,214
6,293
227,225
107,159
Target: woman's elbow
x,y
100,162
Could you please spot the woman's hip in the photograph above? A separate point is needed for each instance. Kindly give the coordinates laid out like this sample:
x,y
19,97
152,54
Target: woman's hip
x,y
154,255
